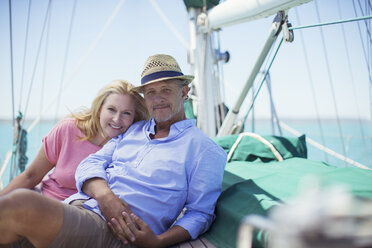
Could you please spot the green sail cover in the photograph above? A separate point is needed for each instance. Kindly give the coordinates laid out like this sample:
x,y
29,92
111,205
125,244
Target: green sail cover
x,y
256,187
189,112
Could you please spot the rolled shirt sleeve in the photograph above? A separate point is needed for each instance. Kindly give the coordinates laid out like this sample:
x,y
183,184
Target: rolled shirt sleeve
x,y
204,190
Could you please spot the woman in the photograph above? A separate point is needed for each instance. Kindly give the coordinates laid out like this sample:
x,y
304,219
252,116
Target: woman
x,y
112,112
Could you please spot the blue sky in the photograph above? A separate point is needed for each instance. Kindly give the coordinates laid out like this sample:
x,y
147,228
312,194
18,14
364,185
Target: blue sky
x,y
138,31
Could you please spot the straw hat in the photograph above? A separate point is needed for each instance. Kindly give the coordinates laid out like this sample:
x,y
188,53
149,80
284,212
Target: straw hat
x,y
160,67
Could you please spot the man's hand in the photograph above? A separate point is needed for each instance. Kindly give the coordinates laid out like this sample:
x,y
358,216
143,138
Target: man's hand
x,y
112,208
139,233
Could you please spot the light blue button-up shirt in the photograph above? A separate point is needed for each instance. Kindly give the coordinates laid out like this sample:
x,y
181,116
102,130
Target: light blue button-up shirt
x,y
159,177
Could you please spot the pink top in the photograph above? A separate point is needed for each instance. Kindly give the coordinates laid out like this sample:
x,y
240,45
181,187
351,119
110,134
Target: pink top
x,y
64,149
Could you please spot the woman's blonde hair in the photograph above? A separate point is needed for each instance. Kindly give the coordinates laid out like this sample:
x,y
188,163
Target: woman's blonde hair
x,y
88,120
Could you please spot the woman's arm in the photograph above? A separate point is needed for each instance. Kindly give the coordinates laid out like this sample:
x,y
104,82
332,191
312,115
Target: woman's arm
x,y
32,176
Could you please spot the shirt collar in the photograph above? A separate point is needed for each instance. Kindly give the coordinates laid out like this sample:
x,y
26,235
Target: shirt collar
x,y
175,129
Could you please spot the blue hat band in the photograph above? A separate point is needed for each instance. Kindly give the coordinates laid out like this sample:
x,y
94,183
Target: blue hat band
x,y
160,74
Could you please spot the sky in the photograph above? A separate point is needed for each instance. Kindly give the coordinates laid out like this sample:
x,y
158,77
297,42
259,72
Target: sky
x,y
105,46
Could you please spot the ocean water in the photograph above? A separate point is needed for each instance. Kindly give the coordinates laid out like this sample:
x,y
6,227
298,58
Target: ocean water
x,y
358,147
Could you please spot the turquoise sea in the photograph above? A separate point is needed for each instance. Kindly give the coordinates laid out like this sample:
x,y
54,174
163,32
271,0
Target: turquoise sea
x,y
357,147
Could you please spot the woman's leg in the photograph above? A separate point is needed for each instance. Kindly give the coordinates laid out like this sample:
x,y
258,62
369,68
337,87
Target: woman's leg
x,y
26,213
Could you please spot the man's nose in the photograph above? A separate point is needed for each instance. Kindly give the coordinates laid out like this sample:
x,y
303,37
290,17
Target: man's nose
x,y
158,97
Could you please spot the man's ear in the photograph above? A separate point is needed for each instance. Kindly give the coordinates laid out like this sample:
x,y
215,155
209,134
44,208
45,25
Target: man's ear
x,y
185,91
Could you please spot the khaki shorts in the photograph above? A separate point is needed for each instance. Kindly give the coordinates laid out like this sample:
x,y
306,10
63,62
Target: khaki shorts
x,y
81,228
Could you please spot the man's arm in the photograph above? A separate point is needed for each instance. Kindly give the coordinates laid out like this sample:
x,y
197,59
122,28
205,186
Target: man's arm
x,y
110,205
174,235
91,179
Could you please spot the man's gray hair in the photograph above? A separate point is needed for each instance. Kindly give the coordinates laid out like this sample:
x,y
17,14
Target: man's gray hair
x,y
182,83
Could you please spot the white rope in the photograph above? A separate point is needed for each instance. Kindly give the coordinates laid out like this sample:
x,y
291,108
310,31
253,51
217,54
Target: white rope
x,y
323,148
257,137
169,24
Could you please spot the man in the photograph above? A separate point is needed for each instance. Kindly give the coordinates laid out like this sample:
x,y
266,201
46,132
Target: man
x,y
138,182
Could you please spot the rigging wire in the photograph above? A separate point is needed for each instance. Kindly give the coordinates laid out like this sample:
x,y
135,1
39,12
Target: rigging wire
x,y
366,58
353,84
65,60
42,88
37,59
253,92
67,82
69,79
169,24
11,60
274,115
44,70
320,24
24,53
339,22
311,82
369,10
19,143
330,79
260,86
265,75
11,78
368,37
368,44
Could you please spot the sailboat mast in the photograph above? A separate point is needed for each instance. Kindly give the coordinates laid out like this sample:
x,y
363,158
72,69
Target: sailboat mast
x,y
201,60
202,54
